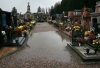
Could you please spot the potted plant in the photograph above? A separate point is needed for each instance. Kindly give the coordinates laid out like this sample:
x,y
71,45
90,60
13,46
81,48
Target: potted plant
x,y
18,31
68,28
3,36
25,33
8,30
96,45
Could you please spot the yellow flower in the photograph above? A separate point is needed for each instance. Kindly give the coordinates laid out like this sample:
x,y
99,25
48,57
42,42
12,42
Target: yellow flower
x,y
32,22
96,42
93,41
20,27
76,27
25,31
88,32
85,33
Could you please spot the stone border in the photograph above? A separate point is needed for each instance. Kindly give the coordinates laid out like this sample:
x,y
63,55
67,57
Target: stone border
x,y
60,30
84,58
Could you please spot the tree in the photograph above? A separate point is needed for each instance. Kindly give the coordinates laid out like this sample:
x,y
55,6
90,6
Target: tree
x,y
52,11
39,9
91,4
64,5
14,13
14,10
57,8
70,5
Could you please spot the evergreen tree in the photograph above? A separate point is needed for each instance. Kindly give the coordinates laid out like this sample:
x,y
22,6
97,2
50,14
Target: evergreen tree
x,y
14,10
57,8
52,12
39,9
70,5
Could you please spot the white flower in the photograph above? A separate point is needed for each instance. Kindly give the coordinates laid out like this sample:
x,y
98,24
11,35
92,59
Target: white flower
x,y
3,32
98,36
10,26
68,27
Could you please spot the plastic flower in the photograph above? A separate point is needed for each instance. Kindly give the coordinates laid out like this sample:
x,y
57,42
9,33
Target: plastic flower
x,y
3,32
98,36
87,33
25,31
54,21
20,27
32,22
95,42
92,33
25,27
61,23
76,27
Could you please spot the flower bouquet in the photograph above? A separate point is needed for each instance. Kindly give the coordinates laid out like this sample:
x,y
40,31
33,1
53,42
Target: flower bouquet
x,y
8,30
96,45
3,36
25,27
33,22
68,28
18,31
86,33
76,27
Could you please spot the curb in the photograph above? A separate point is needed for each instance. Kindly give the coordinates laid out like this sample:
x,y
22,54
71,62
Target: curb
x,y
60,30
84,58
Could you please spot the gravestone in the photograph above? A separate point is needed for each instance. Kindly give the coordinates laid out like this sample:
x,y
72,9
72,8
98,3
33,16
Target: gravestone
x,y
77,34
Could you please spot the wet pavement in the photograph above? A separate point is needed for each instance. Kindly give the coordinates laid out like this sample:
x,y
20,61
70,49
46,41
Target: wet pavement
x,y
46,48
7,50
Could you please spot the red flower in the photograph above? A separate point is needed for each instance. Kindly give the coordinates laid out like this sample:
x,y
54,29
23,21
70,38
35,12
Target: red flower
x,y
92,33
18,31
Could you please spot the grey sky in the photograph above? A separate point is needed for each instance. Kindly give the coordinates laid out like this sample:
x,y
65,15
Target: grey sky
x,y
21,5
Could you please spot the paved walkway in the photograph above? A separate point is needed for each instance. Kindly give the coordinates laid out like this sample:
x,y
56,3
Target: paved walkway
x,y
46,48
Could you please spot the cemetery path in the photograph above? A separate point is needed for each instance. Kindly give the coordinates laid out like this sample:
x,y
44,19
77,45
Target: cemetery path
x,y
46,48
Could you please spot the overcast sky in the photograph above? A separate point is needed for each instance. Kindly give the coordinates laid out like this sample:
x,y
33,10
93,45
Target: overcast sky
x,y
21,5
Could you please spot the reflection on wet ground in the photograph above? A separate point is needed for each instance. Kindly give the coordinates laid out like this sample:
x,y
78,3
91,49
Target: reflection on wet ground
x,y
48,45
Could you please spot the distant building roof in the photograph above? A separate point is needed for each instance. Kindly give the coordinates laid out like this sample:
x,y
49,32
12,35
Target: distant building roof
x,y
98,3
40,12
90,10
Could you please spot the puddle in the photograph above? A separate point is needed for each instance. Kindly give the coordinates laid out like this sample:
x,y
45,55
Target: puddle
x,y
50,45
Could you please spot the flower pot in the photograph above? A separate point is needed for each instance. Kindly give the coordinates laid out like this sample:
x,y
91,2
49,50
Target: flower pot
x,y
87,51
16,41
95,51
25,34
